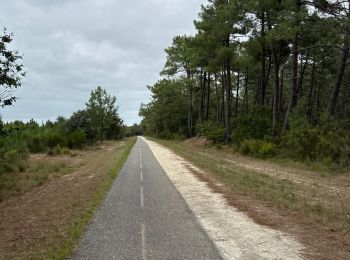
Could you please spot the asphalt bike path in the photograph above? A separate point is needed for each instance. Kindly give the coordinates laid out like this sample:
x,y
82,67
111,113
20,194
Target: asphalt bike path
x,y
144,217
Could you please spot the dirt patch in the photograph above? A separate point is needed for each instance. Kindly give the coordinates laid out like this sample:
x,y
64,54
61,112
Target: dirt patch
x,y
33,223
198,141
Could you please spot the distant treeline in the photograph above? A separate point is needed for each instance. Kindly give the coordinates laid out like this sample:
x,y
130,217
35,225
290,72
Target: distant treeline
x,y
266,76
98,121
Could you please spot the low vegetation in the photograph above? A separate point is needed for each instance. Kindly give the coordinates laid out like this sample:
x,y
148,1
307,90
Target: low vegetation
x,y
320,197
35,173
18,140
58,197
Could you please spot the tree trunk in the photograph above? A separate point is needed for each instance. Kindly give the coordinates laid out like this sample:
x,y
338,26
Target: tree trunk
x,y
189,117
267,76
339,79
295,50
302,73
201,101
318,93
102,127
263,62
228,110
275,108
281,103
208,98
218,109
309,98
223,87
237,93
246,98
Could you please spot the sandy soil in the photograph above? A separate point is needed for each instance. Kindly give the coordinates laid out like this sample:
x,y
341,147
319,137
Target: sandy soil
x,y
235,234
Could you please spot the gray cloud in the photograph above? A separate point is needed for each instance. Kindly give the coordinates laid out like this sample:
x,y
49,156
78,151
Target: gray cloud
x,y
72,46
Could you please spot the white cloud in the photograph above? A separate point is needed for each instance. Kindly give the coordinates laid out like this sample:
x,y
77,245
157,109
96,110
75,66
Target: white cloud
x,y
72,46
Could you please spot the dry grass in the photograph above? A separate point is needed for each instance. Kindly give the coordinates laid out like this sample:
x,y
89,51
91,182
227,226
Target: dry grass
x,y
38,170
46,221
303,197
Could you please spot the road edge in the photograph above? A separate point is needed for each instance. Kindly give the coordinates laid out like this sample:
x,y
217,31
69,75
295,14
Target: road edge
x,y
65,248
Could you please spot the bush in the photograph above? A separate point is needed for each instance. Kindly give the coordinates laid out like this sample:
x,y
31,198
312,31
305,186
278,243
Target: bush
x,y
211,131
256,125
53,139
13,154
313,144
35,144
58,150
76,139
259,148
267,149
248,147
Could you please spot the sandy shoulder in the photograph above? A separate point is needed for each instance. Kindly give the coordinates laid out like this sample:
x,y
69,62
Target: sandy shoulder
x,y
233,232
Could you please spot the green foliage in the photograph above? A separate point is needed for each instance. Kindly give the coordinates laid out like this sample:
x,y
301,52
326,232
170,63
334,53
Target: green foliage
x,y
258,148
36,144
80,120
211,131
53,139
133,130
48,138
267,149
313,144
11,71
13,154
165,116
258,67
58,150
76,139
98,121
102,114
252,126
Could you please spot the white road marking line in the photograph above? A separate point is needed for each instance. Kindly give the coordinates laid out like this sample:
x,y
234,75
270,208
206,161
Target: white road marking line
x,y
140,158
141,197
143,237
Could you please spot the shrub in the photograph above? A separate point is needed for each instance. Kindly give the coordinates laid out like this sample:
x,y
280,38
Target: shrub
x,y
52,139
248,147
58,150
211,131
35,144
256,125
313,144
76,139
267,149
258,148
13,154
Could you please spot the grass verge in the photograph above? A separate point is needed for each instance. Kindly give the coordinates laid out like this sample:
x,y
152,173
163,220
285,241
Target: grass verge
x,y
36,173
332,212
66,246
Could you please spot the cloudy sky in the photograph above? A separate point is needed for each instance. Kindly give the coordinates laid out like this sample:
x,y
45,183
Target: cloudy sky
x,y
72,46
